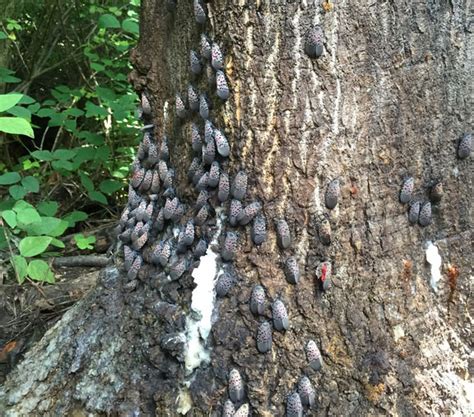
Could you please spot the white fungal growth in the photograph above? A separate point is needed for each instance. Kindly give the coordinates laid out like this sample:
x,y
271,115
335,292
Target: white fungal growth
x,y
434,259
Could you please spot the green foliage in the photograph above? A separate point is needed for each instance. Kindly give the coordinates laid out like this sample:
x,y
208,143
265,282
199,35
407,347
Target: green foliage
x,y
79,111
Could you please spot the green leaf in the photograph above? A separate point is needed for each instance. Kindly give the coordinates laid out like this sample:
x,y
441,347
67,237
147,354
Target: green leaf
x,y
48,208
47,112
64,154
22,205
58,243
102,153
29,164
98,196
92,138
84,242
60,164
50,226
25,99
16,126
10,178
130,25
74,112
108,21
10,217
40,271
31,184
28,216
95,111
106,93
84,154
34,108
97,67
17,191
3,35
20,112
34,245
74,217
7,101
86,182
42,155
20,265
110,186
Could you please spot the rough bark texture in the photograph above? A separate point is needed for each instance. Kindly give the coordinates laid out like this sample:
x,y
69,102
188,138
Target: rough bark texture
x,y
389,98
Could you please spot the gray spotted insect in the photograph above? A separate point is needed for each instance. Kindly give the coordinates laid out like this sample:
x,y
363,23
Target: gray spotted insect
x,y
159,222
145,105
180,107
249,213
294,407
257,300
140,241
198,174
209,153
222,144
203,182
228,410
137,177
195,62
324,231
162,169
129,256
224,187
135,268
436,192
229,247
283,234
224,283
217,58
164,148
239,185
264,337
153,154
243,411
202,199
406,191
465,146
205,46
235,386
414,212
193,167
202,215
292,270
196,142
424,218
331,196
193,98
306,391
313,355
169,179
146,183
259,229
200,249
280,315
234,211
324,274
171,205
204,106
208,131
314,39
155,183
214,174
139,212
177,268
188,233
222,87
200,12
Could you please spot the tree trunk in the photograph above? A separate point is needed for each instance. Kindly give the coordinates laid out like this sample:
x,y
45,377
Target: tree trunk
x,y
389,98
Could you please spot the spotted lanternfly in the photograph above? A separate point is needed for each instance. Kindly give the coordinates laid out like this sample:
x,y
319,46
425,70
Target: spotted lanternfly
x,y
414,212
214,173
169,193
332,194
249,213
222,144
203,182
217,59
126,235
294,408
188,233
129,256
283,234
201,215
313,355
224,283
196,143
280,315
131,222
146,183
170,207
177,268
292,270
149,211
259,229
223,190
139,212
407,190
124,216
159,222
239,185
164,148
195,62
193,167
209,153
222,87
155,183
165,253
236,386
324,273
324,231
264,337
198,174
306,391
137,177
202,199
257,300
141,152
153,154
208,131
169,180
313,45
436,192
203,107
200,249
135,268
205,46
137,231
162,169
465,146
145,103
138,243
234,211
229,248
228,410
200,11
180,107
211,76
243,411
424,218
178,213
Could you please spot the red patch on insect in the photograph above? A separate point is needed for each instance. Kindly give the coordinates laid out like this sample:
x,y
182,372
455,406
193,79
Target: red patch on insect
x,y
324,270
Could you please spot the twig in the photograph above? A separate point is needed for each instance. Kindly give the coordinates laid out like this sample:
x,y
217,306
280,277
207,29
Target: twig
x,y
83,260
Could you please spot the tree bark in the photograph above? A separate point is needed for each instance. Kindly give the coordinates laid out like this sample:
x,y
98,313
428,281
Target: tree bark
x,y
389,98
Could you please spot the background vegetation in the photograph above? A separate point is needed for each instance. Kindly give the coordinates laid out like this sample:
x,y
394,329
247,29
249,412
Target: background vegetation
x,y
67,126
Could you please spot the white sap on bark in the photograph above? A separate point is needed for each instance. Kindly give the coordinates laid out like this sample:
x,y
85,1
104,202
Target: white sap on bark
x,y
434,259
